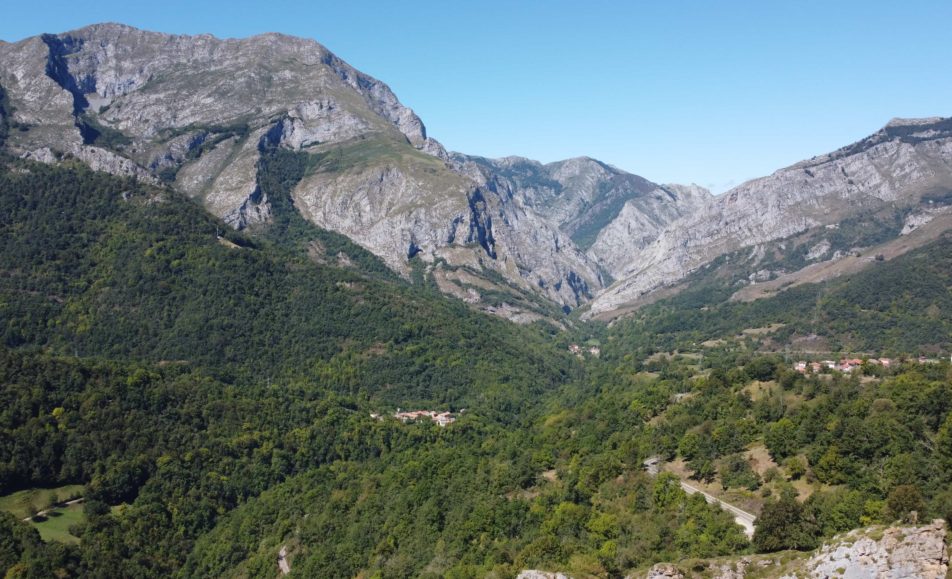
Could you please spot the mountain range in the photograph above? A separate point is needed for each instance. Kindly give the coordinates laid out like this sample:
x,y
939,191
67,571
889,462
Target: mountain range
x,y
225,331
511,236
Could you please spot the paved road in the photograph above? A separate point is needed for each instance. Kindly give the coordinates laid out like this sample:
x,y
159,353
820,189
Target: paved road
x,y
743,518
283,564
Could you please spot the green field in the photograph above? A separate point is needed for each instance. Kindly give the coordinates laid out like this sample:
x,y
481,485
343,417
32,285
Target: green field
x,y
55,527
18,503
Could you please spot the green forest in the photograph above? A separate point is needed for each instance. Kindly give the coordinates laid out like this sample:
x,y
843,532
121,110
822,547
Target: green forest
x,y
223,397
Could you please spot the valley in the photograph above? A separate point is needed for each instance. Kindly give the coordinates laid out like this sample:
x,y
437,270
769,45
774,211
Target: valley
x,y
263,323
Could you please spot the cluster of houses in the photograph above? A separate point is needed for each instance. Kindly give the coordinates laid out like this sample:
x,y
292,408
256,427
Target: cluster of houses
x,y
440,418
847,365
580,351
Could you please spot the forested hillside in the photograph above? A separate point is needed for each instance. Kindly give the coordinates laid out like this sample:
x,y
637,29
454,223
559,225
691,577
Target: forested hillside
x,y
902,306
178,370
226,397
99,267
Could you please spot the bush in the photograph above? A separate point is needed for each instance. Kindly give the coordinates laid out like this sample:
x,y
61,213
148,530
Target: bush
x,y
736,472
905,503
796,467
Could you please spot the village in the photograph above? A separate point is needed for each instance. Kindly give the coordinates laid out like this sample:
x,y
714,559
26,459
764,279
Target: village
x,y
580,351
848,365
440,418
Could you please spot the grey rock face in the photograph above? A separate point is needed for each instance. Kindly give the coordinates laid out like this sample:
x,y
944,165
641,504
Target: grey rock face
x,y
642,221
896,166
583,197
664,571
919,552
901,552
590,211
419,207
533,574
198,112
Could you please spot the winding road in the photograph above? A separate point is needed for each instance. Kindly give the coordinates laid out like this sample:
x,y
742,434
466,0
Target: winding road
x,y
741,517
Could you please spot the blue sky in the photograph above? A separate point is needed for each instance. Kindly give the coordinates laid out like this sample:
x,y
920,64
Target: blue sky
x,y
707,92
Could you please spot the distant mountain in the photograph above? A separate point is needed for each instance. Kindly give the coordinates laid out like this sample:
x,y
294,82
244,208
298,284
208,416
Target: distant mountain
x,y
511,236
604,210
837,205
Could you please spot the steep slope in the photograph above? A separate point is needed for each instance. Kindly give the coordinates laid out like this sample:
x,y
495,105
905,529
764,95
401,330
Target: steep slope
x,y
199,112
179,373
893,307
604,210
905,168
512,236
98,266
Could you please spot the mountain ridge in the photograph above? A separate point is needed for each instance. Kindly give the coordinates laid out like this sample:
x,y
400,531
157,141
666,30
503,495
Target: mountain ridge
x,y
897,167
200,114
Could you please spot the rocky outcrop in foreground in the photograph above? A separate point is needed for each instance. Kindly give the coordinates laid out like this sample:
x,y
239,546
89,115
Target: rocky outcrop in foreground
x,y
909,552
900,552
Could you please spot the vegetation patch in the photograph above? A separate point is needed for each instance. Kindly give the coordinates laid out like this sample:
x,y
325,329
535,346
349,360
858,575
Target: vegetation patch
x,y
26,503
58,524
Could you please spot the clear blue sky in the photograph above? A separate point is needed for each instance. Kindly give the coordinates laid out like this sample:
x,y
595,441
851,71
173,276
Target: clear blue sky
x,y
707,92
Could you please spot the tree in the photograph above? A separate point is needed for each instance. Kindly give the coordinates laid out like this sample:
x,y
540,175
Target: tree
x,y
667,491
942,505
20,548
704,470
781,439
904,503
943,449
796,467
784,524
736,472
829,468
762,369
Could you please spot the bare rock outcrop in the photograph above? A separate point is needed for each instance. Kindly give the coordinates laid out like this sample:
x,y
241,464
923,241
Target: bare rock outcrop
x,y
901,552
896,166
199,113
664,571
532,574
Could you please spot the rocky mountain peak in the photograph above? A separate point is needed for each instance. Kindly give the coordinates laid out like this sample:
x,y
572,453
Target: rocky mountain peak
x,y
909,131
200,113
905,122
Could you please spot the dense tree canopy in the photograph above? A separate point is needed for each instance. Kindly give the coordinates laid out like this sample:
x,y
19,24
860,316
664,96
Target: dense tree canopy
x,y
213,391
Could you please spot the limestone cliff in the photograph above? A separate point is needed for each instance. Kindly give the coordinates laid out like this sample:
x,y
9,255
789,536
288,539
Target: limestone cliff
x,y
603,209
198,112
896,167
